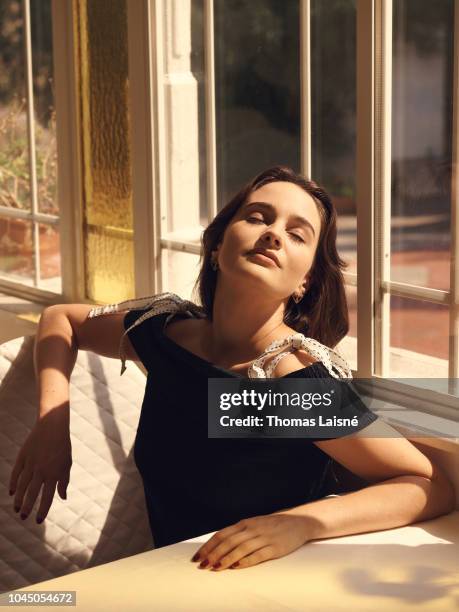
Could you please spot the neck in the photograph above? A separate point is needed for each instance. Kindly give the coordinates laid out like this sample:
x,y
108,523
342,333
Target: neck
x,y
242,325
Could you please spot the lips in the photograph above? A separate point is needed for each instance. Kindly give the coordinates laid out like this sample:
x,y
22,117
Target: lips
x,y
269,254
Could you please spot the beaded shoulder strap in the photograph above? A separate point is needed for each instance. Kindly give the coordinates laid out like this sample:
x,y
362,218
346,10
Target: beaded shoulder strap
x,y
153,305
172,303
336,365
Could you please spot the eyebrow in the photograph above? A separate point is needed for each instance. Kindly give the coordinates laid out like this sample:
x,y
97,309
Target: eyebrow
x,y
297,218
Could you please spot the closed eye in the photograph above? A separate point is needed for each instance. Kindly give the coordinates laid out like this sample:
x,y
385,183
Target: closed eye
x,y
296,237
255,219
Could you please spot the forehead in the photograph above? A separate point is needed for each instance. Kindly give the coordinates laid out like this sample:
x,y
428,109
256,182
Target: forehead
x,y
288,198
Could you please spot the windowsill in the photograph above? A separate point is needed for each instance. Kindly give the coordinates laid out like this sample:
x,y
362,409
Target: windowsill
x,y
431,430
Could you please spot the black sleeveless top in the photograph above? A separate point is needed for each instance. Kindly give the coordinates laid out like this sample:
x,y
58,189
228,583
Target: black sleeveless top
x,y
195,484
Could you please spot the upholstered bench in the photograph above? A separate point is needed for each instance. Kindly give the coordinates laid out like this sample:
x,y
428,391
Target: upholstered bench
x,y
104,517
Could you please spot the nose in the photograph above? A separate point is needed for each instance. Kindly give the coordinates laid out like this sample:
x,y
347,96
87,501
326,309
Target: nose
x,y
271,239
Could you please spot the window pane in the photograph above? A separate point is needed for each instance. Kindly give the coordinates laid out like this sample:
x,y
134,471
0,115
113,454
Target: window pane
x,y
50,258
44,110
107,206
348,345
257,76
14,153
179,273
421,141
418,338
333,123
16,249
333,119
197,68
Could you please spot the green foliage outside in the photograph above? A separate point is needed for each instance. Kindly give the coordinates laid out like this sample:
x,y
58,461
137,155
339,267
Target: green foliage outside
x,y
14,147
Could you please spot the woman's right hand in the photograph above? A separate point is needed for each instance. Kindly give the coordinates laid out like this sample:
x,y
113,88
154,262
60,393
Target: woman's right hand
x,y
44,461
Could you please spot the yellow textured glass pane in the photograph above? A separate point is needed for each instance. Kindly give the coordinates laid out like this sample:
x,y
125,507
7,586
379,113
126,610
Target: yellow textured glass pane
x,y
107,207
105,249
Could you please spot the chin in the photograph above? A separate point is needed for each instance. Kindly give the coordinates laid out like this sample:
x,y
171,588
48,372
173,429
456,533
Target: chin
x,y
255,279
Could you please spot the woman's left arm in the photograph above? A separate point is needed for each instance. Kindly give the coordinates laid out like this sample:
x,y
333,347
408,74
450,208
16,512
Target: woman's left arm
x,y
405,487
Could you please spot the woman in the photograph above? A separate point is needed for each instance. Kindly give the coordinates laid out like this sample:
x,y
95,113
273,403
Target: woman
x,y
270,279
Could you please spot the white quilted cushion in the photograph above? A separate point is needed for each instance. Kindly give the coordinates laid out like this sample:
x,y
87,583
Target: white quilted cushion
x,y
104,517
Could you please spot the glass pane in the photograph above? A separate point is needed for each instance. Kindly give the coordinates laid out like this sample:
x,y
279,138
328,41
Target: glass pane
x,y
197,68
50,258
419,334
333,113
179,273
333,138
257,74
14,153
348,345
107,206
16,250
45,115
109,259
421,141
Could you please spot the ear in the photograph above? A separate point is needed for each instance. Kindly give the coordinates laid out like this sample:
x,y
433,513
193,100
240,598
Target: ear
x,y
214,253
304,284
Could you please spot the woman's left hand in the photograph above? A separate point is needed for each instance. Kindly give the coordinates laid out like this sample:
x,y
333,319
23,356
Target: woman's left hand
x,y
254,540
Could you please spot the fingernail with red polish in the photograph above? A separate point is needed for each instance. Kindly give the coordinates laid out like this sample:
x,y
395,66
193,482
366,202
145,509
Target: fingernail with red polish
x,y
39,520
234,565
16,509
195,557
23,516
204,563
217,565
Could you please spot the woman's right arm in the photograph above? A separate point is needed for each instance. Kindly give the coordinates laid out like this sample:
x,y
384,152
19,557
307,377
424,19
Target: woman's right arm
x,y
45,458
62,331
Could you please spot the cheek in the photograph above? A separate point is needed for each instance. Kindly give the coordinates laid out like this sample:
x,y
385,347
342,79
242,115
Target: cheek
x,y
235,238
301,261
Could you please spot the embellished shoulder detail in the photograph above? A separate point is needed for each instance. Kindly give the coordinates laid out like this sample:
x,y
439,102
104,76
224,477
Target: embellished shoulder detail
x,y
172,303
153,305
335,363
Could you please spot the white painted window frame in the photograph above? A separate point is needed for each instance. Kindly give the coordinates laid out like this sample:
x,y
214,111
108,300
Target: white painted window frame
x,y
374,74
150,210
8,285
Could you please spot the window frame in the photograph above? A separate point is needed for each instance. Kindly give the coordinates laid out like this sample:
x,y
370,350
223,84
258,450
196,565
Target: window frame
x,y
34,216
373,167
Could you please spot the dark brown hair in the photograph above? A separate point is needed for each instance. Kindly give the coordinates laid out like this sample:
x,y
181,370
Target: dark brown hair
x,y
322,314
